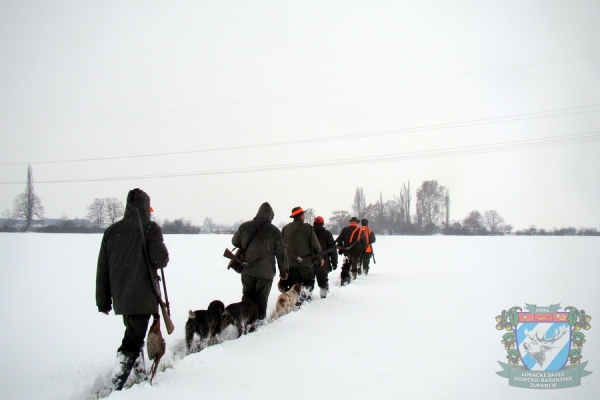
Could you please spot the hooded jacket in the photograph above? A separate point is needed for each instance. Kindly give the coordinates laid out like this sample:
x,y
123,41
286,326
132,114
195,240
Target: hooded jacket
x,y
122,278
266,241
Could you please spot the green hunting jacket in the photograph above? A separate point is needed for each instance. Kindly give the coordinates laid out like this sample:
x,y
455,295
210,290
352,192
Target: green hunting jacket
x,y
266,241
300,241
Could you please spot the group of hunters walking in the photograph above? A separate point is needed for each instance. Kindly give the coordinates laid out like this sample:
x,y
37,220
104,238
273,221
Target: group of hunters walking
x,y
133,248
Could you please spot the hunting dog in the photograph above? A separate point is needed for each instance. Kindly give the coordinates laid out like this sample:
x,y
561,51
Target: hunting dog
x,y
243,315
284,285
345,273
206,324
286,302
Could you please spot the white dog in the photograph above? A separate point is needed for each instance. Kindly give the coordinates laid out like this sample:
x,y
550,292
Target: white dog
x,y
286,302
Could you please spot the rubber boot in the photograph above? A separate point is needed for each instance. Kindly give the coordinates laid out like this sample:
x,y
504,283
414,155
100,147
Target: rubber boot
x,y
139,368
122,369
324,292
305,295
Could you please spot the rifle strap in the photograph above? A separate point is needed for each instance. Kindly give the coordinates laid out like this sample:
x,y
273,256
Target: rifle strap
x,y
262,236
264,242
286,239
353,232
253,236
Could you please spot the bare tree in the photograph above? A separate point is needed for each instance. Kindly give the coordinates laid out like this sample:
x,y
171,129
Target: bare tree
x,y
391,213
208,224
447,207
380,210
114,209
28,205
360,203
97,213
430,203
473,222
371,212
338,220
309,215
405,200
493,221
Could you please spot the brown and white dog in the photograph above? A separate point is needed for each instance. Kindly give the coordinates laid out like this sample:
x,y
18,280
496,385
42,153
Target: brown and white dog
x,y
286,302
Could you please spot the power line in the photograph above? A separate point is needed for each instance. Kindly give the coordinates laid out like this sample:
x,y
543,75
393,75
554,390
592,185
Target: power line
x,y
444,152
449,125
316,93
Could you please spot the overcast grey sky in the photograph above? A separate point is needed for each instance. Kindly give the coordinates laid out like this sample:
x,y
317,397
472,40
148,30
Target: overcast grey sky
x,y
215,107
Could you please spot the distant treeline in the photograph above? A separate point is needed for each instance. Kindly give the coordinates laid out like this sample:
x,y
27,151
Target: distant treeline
x,y
532,231
428,215
183,226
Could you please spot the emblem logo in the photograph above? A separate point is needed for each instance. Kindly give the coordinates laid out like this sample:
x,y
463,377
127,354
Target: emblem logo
x,y
543,346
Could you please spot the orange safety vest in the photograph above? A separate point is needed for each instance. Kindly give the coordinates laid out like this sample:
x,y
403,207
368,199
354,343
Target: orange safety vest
x,y
357,229
367,233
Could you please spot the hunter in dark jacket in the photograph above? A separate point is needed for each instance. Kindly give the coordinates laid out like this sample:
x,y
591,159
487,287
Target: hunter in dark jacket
x,y
352,243
330,259
122,278
263,244
301,242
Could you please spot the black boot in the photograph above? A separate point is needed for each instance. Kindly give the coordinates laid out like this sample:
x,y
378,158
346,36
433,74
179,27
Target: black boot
x,y
122,368
304,295
139,368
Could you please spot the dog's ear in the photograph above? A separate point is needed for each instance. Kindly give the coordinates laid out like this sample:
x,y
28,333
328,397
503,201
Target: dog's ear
x,y
192,314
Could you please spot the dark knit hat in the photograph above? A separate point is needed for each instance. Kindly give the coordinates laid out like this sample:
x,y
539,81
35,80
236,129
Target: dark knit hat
x,y
364,221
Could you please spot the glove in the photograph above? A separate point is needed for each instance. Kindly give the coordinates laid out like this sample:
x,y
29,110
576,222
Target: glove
x,y
334,266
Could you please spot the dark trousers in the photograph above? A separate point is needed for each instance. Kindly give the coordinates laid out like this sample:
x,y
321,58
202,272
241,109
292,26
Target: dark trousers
x,y
366,259
321,273
257,290
131,346
354,260
302,275
136,327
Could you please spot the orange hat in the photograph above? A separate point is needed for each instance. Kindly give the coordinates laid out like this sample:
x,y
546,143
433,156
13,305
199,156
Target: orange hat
x,y
296,211
319,221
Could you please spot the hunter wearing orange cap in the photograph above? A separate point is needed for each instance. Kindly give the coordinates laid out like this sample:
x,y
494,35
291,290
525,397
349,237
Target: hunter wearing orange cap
x,y
301,243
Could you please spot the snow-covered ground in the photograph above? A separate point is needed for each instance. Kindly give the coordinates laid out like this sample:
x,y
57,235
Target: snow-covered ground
x,y
420,326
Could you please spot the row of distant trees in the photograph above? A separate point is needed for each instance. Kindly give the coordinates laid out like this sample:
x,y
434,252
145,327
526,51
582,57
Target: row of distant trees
x,y
431,216
392,217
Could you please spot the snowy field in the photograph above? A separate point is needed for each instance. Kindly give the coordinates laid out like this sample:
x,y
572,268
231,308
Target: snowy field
x,y
420,326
